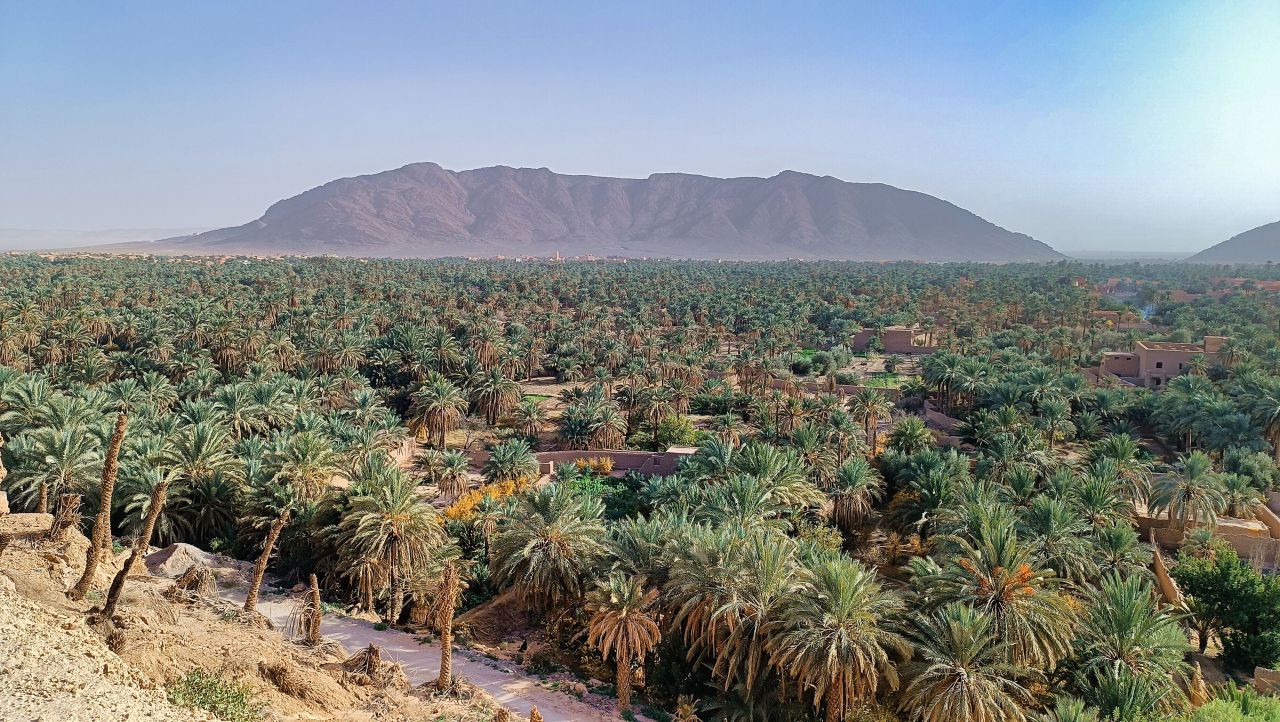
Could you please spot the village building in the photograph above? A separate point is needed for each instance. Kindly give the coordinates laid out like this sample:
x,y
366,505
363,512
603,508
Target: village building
x,y
1152,363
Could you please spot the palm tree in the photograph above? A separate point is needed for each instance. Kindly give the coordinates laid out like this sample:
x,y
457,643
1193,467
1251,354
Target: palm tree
x,y
271,506
448,470
390,526
511,461
549,547
493,394
1265,408
999,575
435,408
729,428
50,462
855,487
621,626
530,417
1125,630
870,406
962,672
834,638
910,435
1129,467
1242,498
447,598
140,546
1194,493
306,460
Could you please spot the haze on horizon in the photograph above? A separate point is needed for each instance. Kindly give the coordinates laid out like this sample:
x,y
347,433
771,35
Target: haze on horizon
x,y
1143,126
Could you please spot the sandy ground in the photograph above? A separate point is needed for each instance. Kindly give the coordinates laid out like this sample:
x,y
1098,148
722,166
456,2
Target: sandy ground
x,y
53,668
421,663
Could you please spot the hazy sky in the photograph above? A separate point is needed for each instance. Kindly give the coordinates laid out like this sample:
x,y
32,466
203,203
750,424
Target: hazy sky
x,y
1107,125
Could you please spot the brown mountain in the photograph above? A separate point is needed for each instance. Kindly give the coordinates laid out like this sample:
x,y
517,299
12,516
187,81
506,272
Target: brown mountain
x,y
423,210
1260,245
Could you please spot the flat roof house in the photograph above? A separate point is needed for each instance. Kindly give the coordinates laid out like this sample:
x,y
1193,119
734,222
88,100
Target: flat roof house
x,y
1152,363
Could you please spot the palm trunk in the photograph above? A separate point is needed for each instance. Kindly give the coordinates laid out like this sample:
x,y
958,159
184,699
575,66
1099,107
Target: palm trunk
x,y
158,497
835,700
100,543
260,568
42,502
396,603
445,679
444,621
624,684
313,623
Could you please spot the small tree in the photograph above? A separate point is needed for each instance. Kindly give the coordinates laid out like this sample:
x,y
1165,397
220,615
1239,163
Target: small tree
x,y
1227,599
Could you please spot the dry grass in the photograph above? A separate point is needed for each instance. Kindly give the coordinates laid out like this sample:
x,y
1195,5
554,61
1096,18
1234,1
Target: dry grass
x,y
367,668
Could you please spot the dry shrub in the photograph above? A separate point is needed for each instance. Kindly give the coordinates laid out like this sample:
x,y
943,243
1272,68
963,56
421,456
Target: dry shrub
x,y
68,517
197,581
116,641
289,680
367,668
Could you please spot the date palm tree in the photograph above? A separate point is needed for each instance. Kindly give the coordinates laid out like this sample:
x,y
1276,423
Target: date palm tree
x,y
1194,493
100,541
962,672
999,575
435,408
549,547
307,460
448,470
855,487
529,417
271,506
510,461
622,627
870,407
835,637
49,462
390,526
910,435
493,394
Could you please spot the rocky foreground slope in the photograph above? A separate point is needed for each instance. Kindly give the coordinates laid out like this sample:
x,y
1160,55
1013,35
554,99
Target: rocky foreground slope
x,y
59,662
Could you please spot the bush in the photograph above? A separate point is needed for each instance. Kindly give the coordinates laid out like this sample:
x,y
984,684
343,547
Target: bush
x,y
464,508
227,699
674,431
1229,598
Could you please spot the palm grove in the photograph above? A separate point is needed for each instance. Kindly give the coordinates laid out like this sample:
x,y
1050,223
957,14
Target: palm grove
x,y
819,557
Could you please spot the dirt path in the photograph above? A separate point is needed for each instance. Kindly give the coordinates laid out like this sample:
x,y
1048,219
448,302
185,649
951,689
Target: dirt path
x,y
421,663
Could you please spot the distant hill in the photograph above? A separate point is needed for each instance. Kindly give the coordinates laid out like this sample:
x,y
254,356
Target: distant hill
x,y
1259,245
27,239
423,211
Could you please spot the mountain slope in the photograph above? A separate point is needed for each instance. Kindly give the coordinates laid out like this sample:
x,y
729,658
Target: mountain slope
x,y
1259,245
423,210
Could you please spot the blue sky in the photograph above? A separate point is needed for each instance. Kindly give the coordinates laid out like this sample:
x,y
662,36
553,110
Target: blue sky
x,y
1108,125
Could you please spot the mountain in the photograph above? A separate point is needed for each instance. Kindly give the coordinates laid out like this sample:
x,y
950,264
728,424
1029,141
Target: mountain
x,y
423,210
1259,245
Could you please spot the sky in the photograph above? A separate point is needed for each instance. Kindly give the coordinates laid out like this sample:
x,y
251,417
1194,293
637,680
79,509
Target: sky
x,y
1145,126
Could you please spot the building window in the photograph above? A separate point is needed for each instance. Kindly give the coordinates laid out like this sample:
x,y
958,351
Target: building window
x,y
1159,364
1157,382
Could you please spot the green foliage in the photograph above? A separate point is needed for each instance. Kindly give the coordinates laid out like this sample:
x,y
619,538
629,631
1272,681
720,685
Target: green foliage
x,y
1228,598
229,700
674,430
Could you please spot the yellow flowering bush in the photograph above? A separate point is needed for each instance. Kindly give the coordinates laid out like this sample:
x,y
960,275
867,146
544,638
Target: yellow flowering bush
x,y
465,507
